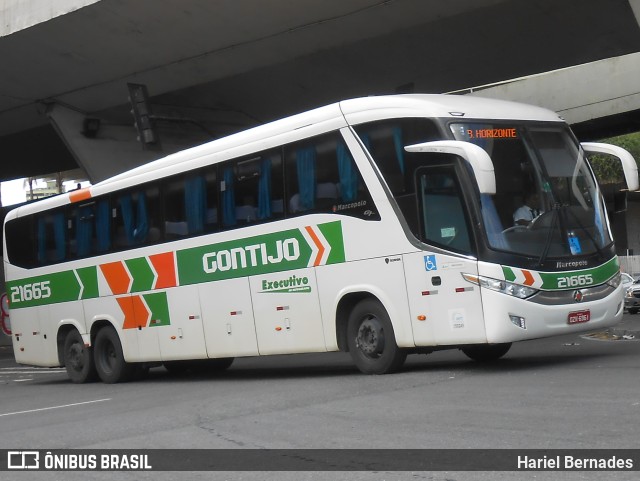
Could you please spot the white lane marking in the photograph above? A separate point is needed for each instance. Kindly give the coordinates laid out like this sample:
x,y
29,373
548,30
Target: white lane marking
x,y
32,368
55,407
48,371
23,380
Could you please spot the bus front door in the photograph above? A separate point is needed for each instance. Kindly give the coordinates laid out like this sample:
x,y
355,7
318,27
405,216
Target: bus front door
x,y
446,309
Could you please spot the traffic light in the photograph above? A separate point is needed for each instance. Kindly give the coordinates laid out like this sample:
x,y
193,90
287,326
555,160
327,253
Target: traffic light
x,y
143,118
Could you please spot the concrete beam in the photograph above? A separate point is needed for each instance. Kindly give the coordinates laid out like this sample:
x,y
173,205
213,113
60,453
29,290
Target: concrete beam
x,y
579,94
16,15
113,150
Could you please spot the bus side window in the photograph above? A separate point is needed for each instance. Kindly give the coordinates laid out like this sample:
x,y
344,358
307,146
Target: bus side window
x,y
102,217
211,214
190,204
89,228
443,214
175,224
138,217
51,231
21,242
321,176
312,174
386,139
251,189
80,229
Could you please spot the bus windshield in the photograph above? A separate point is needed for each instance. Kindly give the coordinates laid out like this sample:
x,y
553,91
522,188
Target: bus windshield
x,y
547,203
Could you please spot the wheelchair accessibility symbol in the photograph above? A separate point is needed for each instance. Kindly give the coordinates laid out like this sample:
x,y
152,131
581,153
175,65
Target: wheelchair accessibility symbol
x,y
430,263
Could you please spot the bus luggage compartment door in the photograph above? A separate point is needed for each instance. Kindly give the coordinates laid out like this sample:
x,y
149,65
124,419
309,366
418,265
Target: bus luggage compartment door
x,y
227,316
28,338
180,335
287,312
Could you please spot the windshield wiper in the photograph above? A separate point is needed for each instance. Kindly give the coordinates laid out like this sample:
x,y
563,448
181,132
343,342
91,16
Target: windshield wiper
x,y
545,251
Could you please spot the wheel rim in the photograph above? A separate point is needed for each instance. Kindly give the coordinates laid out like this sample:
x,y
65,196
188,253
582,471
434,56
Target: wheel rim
x,y
370,337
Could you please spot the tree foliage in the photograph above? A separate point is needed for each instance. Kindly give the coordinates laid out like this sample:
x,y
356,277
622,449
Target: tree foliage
x,y
608,169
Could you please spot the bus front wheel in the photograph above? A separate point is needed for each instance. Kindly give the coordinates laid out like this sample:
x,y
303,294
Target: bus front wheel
x,y
78,358
109,359
371,341
486,352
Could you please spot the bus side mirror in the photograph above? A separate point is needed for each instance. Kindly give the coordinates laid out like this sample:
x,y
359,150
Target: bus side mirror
x,y
629,165
476,156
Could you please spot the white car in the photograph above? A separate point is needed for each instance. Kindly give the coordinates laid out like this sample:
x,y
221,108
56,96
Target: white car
x,y
627,280
632,295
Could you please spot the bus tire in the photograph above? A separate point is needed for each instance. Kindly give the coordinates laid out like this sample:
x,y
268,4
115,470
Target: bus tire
x,y
371,341
486,352
109,359
78,358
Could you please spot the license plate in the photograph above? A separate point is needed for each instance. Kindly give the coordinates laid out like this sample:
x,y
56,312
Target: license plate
x,y
579,317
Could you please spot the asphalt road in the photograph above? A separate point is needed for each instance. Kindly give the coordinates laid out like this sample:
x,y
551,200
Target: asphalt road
x,y
568,392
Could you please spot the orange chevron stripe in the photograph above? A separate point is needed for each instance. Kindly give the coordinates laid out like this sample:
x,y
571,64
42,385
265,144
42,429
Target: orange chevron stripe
x,y
135,312
117,277
318,244
142,313
126,306
165,266
528,278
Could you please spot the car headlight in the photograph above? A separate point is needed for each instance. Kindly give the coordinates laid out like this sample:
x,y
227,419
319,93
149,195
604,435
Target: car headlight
x,y
509,288
629,293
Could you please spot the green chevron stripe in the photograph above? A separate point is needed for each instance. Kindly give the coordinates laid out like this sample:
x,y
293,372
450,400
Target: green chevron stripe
x,y
142,274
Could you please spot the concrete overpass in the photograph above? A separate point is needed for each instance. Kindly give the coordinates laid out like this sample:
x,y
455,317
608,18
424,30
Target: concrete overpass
x,y
225,66
598,99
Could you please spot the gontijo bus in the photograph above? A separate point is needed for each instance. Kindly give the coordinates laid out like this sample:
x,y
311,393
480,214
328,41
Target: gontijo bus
x,y
381,226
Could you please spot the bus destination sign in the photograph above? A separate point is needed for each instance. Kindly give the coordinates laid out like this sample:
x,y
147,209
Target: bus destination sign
x,y
506,133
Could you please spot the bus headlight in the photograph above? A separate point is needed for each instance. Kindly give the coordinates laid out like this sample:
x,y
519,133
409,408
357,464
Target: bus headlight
x,y
515,290
615,280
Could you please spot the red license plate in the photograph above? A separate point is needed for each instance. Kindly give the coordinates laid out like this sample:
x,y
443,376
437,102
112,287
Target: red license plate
x,y
579,317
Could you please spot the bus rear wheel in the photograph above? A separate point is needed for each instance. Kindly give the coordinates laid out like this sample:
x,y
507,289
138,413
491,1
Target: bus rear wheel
x,y
486,352
78,359
371,341
109,359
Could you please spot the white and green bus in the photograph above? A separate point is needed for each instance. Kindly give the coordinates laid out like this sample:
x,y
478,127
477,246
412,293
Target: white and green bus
x,y
380,226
